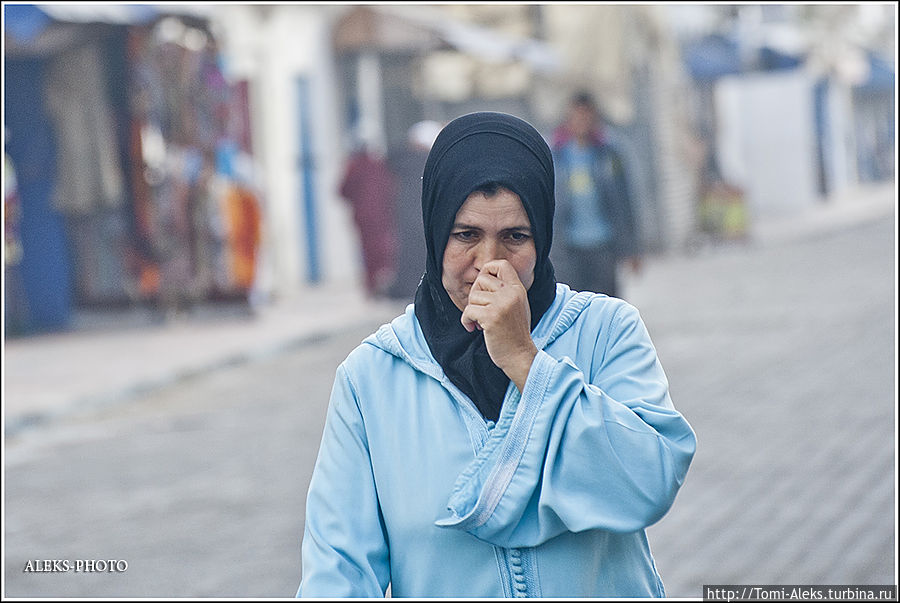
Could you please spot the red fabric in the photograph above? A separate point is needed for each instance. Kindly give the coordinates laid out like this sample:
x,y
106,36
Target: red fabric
x,y
562,135
370,187
245,226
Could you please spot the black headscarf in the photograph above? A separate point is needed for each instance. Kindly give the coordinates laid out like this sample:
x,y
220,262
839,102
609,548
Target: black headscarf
x,y
470,152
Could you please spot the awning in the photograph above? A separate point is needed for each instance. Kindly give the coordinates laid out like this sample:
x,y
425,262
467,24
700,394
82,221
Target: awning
x,y
714,56
880,77
374,25
485,43
42,28
711,57
25,22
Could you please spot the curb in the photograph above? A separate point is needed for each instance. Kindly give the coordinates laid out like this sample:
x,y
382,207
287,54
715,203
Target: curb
x,y
847,210
16,425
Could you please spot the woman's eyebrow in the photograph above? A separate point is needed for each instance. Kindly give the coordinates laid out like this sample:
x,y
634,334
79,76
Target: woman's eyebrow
x,y
464,226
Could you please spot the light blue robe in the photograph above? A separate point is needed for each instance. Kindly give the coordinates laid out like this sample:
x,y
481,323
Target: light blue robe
x,y
413,488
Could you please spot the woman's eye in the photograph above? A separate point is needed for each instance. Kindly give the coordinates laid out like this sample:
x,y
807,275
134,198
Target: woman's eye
x,y
518,237
464,235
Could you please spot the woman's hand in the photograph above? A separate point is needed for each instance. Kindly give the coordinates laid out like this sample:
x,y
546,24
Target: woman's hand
x,y
498,305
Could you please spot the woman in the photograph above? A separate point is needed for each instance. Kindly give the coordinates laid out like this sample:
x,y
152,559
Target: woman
x,y
506,436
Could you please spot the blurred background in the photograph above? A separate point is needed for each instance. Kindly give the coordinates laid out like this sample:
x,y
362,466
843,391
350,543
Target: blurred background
x,y
179,235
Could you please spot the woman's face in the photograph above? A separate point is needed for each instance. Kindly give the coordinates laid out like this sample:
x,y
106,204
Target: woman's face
x,y
485,229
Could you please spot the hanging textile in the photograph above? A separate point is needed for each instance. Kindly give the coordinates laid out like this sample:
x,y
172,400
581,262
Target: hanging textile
x,y
45,267
15,302
12,241
195,216
244,227
90,174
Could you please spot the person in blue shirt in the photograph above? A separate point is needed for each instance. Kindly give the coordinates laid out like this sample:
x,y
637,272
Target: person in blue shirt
x,y
596,213
505,436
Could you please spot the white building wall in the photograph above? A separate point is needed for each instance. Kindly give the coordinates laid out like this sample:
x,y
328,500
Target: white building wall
x,y
339,250
766,137
273,46
840,148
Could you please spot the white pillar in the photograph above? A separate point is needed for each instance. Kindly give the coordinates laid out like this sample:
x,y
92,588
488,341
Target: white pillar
x,y
840,148
370,96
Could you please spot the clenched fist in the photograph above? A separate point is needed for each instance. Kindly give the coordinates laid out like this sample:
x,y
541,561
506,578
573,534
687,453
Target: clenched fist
x,y
498,305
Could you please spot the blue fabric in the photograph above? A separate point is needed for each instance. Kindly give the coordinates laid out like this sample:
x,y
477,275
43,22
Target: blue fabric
x,y
46,267
880,77
413,488
587,225
24,22
609,175
27,22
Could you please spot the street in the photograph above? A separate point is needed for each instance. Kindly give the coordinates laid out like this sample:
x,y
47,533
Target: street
x,y
781,355
784,361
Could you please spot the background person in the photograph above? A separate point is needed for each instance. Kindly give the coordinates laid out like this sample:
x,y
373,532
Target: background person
x,y
596,225
370,187
407,165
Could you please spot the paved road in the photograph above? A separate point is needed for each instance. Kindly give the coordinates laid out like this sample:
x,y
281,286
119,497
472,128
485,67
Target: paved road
x,y
783,359
781,356
199,487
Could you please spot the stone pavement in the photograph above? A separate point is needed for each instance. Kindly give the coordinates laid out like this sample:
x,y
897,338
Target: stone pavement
x,y
115,358
54,375
782,355
780,352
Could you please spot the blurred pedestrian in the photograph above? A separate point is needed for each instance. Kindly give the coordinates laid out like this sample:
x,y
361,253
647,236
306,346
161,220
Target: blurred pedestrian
x,y
370,187
407,165
596,225
505,436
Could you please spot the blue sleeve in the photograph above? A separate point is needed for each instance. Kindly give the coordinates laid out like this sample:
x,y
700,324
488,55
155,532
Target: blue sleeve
x,y
344,551
605,450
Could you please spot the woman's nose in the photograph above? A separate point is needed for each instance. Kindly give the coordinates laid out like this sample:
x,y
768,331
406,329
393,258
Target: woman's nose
x,y
487,251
